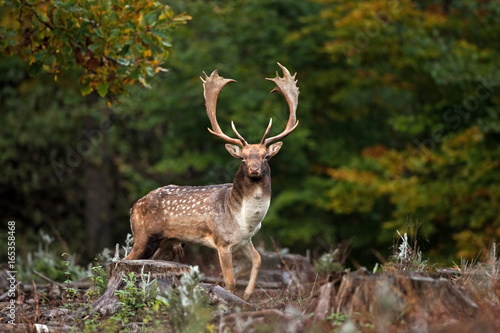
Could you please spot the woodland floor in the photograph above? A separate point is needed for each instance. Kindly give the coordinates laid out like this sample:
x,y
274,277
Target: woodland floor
x,y
290,297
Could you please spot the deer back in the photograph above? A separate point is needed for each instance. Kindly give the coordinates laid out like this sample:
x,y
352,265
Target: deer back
x,y
186,213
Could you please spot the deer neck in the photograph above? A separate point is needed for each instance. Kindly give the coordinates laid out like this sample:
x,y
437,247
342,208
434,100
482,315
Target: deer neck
x,y
249,201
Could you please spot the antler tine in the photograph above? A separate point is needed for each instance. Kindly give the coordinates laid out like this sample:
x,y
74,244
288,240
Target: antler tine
x,y
242,139
267,131
287,85
212,86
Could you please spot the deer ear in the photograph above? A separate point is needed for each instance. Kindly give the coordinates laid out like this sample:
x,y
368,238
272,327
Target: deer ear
x,y
273,149
234,150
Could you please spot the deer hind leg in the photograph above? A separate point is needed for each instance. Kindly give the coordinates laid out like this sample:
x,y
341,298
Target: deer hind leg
x,y
169,250
145,244
226,264
144,247
251,253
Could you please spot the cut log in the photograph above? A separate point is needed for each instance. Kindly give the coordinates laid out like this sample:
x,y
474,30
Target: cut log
x,y
219,295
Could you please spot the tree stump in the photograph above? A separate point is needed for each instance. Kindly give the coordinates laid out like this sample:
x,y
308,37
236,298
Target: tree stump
x,y
393,297
166,273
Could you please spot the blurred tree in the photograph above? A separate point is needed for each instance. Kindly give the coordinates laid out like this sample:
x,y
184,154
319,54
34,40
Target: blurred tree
x,y
427,75
104,45
115,42
398,119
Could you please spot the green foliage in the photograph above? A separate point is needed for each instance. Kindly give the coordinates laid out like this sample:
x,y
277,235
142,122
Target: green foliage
x,y
115,42
398,118
99,279
407,256
328,263
181,309
337,318
188,304
47,262
137,296
432,89
417,182
70,293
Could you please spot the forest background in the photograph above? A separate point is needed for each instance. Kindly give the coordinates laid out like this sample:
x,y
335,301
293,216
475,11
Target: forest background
x,y
399,119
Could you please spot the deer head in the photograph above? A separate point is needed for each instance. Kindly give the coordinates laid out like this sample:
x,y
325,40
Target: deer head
x,y
254,157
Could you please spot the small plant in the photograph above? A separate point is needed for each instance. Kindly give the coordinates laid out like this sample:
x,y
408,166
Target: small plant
x,y
136,296
343,324
337,318
70,293
328,263
188,304
92,324
105,255
408,257
99,279
128,244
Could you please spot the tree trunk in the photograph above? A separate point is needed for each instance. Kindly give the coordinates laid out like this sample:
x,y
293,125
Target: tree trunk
x,y
98,190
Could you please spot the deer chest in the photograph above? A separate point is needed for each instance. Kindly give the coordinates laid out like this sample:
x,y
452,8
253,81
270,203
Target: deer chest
x,y
253,210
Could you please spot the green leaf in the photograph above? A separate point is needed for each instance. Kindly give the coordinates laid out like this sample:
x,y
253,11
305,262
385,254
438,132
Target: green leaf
x,y
102,89
99,32
150,70
135,74
86,89
40,56
94,47
124,50
150,18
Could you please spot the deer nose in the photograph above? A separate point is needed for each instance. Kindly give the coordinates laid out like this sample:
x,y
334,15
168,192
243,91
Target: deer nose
x,y
254,169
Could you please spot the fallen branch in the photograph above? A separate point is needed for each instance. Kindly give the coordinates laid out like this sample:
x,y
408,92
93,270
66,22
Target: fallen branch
x,y
49,280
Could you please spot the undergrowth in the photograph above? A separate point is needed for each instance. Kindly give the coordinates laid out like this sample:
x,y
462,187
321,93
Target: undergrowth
x,y
146,307
48,263
407,255
143,307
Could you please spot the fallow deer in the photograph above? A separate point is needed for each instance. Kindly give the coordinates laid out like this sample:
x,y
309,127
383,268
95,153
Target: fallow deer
x,y
224,217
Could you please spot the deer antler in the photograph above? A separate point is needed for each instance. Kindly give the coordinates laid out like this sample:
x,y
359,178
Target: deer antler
x,y
212,86
287,85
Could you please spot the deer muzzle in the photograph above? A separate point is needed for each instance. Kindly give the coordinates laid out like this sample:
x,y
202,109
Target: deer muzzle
x,y
254,170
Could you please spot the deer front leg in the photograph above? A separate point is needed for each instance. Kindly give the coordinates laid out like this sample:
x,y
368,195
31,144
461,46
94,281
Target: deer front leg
x,y
251,253
226,264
